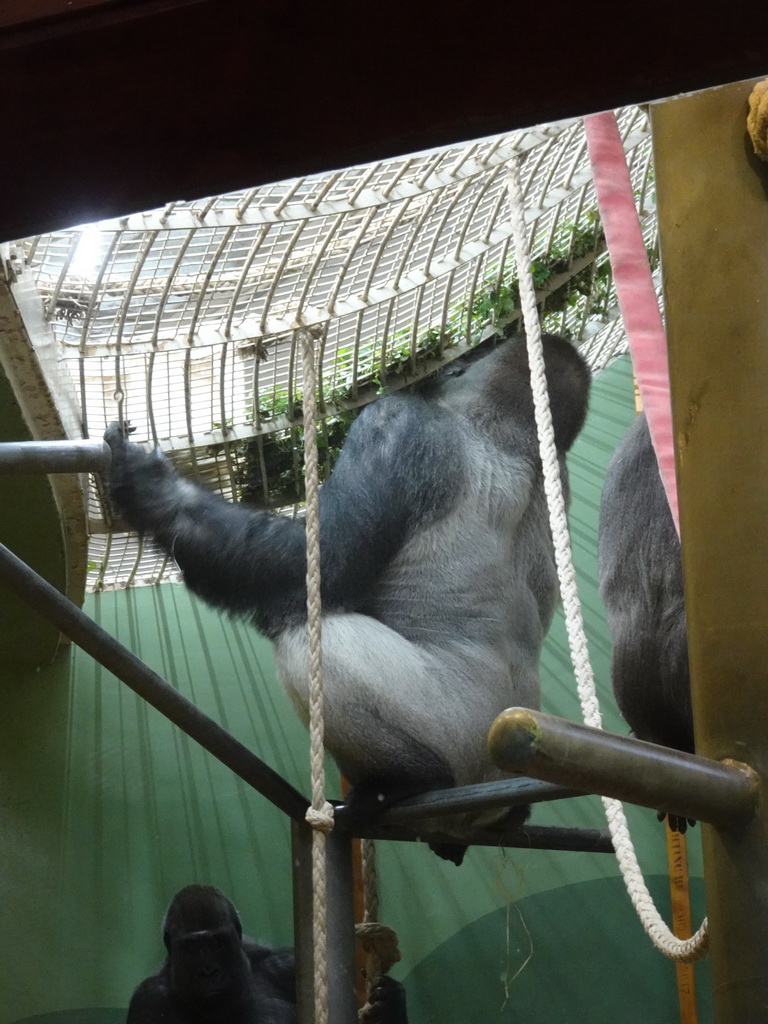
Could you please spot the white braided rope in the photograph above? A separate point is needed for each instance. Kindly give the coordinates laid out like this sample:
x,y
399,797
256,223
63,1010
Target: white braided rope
x,y
681,950
320,814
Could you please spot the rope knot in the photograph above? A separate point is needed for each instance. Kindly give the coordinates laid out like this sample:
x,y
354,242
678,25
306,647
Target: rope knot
x,y
380,942
321,818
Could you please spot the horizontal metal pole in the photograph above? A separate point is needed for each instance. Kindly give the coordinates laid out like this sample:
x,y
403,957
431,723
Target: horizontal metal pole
x,y
417,818
465,799
122,663
54,456
555,750
528,837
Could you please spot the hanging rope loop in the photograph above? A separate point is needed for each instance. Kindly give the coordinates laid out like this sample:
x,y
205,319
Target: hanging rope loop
x,y
380,945
682,950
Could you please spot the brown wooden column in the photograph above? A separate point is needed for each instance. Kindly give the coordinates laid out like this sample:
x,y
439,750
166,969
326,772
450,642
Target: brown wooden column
x,y
713,220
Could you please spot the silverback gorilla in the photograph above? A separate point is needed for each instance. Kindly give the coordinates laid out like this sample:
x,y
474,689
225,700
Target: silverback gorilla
x,y
438,575
213,974
641,583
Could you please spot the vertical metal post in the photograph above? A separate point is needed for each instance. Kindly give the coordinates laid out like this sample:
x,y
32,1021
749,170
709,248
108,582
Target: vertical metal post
x,y
342,997
712,198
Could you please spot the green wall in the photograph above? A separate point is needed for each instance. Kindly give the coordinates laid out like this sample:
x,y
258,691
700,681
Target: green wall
x,y
107,811
30,527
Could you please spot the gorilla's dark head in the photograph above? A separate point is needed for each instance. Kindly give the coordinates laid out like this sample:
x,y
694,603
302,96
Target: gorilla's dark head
x,y
493,383
203,936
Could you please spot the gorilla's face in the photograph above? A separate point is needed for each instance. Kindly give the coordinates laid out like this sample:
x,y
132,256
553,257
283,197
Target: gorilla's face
x,y
206,963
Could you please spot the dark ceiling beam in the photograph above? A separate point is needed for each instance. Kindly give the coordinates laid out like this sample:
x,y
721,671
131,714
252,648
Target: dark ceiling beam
x,y
121,106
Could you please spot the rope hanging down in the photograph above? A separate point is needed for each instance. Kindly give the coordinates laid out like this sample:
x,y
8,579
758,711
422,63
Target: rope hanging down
x,y
683,950
320,814
379,941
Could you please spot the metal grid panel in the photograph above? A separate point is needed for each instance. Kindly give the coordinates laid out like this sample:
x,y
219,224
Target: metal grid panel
x,y
186,314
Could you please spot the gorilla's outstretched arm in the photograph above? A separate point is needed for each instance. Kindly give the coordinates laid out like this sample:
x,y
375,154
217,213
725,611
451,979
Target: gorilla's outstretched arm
x,y
229,554
390,477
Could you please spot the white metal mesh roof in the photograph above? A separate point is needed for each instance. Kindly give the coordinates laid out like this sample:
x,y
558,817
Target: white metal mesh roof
x,y
183,317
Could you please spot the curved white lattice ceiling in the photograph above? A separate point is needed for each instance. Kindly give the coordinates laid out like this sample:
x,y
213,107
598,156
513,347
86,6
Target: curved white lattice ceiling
x,y
182,318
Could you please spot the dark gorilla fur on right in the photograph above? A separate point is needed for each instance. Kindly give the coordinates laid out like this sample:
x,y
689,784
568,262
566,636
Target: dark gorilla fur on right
x,y
213,974
641,583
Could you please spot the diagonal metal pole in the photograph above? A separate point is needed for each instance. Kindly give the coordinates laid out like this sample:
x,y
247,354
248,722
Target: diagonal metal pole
x,y
122,663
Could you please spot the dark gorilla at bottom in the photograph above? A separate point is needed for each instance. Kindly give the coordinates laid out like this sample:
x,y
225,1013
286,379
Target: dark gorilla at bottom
x,y
214,973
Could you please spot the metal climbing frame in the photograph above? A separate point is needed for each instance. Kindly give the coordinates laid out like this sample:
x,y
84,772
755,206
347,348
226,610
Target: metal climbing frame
x,y
713,787
551,748
415,819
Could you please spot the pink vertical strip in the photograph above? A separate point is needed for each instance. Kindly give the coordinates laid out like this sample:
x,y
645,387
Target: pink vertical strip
x,y
634,286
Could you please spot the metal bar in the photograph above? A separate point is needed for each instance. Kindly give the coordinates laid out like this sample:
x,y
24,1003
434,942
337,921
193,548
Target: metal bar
x,y
54,457
529,837
642,773
465,799
340,923
342,987
122,663
713,227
